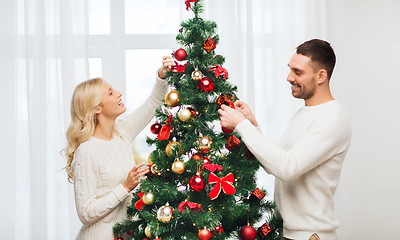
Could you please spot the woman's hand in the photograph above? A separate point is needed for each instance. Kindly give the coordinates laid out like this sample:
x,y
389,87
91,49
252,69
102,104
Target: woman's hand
x,y
167,62
132,180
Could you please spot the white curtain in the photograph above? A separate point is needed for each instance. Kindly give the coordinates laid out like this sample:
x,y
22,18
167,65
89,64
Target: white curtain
x,y
43,57
258,38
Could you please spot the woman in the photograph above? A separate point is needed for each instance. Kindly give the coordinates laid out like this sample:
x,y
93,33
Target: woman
x,y
100,160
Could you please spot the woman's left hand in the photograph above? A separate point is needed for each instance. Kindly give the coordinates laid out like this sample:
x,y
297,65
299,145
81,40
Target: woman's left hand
x,y
167,62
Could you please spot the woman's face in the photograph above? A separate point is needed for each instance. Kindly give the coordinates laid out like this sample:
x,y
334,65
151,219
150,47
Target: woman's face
x,y
111,105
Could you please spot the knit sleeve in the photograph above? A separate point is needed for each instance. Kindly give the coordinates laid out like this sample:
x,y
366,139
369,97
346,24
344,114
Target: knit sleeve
x,y
134,123
325,137
91,207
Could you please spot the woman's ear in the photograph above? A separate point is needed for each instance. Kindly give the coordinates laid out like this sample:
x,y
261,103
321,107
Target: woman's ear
x,y
322,76
98,109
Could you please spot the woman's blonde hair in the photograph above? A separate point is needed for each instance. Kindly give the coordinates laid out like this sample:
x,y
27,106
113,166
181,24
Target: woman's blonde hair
x,y
85,99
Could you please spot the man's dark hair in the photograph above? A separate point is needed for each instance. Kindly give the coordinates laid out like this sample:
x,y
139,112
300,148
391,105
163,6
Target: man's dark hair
x,y
320,52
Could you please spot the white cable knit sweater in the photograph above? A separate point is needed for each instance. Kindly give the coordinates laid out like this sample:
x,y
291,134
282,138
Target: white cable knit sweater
x,y
306,163
100,168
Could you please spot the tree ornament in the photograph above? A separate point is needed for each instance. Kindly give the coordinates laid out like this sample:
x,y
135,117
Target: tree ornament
x,y
264,230
232,142
156,238
226,130
204,144
140,204
155,170
226,99
165,214
206,160
181,30
172,148
204,234
119,238
194,112
197,75
180,54
247,233
187,3
257,195
218,229
197,157
165,130
147,231
249,155
148,198
150,157
173,98
178,167
129,232
155,128
225,184
209,44
205,85
197,183
178,68
218,70
184,115
191,205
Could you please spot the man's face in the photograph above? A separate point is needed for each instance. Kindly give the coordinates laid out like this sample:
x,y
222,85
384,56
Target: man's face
x,y
302,77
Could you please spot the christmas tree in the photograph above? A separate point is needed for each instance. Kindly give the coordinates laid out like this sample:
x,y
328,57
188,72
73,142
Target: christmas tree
x,y
202,183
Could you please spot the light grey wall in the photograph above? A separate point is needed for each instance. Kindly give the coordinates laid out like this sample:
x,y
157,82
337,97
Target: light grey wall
x,y
366,37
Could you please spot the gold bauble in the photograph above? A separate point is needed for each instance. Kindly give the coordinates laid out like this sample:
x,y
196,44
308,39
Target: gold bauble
x,y
197,75
149,158
204,143
172,147
148,198
147,231
173,98
178,167
155,170
184,114
165,214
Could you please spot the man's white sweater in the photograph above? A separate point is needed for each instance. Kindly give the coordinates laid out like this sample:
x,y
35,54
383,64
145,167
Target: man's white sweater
x,y
307,163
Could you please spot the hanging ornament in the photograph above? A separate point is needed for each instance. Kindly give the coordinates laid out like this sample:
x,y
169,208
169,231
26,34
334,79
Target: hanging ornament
x,y
147,231
119,238
173,98
197,157
155,170
180,54
264,230
206,160
150,157
155,128
204,144
204,234
232,142
257,195
148,198
181,30
205,85
191,205
129,232
218,70
226,130
212,167
165,214
197,75
225,184
178,167
184,115
209,44
178,67
247,233
165,130
172,148
226,99
197,183
218,229
187,3
140,204
194,112
249,155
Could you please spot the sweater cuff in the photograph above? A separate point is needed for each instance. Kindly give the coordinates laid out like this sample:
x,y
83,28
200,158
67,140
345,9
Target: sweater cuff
x,y
120,192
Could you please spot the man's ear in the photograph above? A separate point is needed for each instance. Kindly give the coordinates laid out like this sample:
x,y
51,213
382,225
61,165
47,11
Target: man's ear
x,y
322,76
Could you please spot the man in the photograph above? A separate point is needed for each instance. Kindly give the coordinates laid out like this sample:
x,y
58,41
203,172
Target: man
x,y
308,159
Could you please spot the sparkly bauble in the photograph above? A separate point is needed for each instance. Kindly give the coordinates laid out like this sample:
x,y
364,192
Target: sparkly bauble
x,y
232,142
205,234
180,54
148,198
226,130
197,183
206,160
178,167
209,44
184,115
204,144
205,85
155,128
218,229
147,231
171,148
247,233
224,99
194,112
150,157
197,157
165,214
155,170
197,75
129,232
173,98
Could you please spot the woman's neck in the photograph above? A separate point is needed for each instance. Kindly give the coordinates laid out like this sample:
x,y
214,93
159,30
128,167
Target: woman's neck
x,y
104,129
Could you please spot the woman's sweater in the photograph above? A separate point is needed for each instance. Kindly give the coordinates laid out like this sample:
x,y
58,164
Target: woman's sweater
x,y
100,167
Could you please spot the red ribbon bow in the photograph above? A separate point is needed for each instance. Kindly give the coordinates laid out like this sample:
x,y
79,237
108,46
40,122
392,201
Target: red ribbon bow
x,y
190,205
187,3
140,204
225,183
212,167
165,130
178,68
219,71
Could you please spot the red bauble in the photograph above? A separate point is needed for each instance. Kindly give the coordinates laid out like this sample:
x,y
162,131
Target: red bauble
x,y
205,234
197,157
247,233
206,160
180,54
205,85
197,183
226,130
155,128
